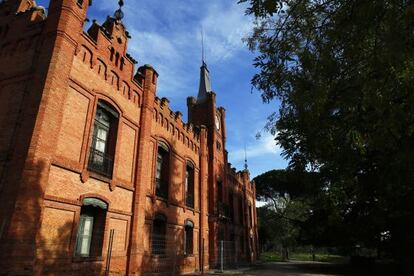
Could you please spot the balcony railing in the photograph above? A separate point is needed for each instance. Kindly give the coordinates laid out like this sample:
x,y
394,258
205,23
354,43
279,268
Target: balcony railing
x,y
100,162
161,188
189,200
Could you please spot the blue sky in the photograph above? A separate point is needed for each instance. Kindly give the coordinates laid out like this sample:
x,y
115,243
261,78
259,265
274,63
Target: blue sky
x,y
166,34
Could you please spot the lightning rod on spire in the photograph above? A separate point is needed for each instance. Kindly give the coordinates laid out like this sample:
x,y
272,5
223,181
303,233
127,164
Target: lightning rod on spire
x,y
245,157
202,45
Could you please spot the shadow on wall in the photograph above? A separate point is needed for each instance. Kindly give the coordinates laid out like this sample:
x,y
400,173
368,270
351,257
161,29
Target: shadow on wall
x,y
166,254
51,251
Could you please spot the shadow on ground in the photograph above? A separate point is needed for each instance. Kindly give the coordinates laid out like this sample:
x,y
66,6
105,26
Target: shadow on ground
x,y
315,268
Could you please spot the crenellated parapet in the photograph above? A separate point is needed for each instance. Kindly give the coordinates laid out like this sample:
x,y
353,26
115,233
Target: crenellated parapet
x,y
173,122
104,49
240,179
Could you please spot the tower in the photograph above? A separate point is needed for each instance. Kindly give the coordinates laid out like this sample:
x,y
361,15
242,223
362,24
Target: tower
x,y
203,111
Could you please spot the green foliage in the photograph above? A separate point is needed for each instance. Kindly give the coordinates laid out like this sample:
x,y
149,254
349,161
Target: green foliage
x,y
273,256
343,72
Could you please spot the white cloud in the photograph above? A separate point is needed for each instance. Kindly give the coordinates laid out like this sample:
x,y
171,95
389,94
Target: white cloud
x,y
265,145
169,39
225,26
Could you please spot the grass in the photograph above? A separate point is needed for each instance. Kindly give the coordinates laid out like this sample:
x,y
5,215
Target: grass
x,y
297,256
271,257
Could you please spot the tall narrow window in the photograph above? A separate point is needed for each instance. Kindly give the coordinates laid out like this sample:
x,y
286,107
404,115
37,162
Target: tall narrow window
x,y
159,231
250,216
189,185
103,141
231,206
91,228
219,191
112,54
188,237
162,171
241,213
242,243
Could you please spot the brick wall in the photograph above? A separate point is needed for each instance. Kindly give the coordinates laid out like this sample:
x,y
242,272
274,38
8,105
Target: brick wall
x,y
53,76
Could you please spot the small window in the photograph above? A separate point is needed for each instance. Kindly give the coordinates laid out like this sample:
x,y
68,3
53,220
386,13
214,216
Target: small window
x,y
116,59
242,243
250,216
219,191
189,185
188,237
218,145
91,228
162,171
159,231
102,149
121,66
231,206
241,210
111,58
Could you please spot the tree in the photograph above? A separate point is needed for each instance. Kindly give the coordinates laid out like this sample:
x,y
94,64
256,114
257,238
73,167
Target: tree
x,y
298,211
343,72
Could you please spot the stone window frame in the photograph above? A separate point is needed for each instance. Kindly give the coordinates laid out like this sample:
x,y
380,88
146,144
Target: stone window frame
x,y
188,228
94,210
109,143
162,173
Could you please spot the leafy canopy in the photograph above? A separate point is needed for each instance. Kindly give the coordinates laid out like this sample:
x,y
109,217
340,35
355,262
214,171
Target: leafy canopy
x,y
343,72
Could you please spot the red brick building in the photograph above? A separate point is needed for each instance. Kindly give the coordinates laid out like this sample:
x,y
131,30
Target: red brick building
x,y
87,147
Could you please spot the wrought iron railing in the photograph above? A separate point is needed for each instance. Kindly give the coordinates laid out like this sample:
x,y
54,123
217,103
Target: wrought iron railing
x,y
161,188
100,162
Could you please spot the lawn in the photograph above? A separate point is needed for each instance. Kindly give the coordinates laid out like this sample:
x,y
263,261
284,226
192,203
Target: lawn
x,y
298,256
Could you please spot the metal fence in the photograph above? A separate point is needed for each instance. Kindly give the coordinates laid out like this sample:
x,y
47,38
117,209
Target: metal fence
x,y
60,258
226,257
163,259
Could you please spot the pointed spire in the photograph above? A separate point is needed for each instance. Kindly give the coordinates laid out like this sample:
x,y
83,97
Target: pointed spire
x,y
205,85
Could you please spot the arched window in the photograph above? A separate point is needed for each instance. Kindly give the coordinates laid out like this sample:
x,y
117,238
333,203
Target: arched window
x,y
101,68
189,185
241,210
159,231
162,171
231,206
121,65
102,149
114,79
219,191
111,58
251,215
241,243
91,228
116,58
188,237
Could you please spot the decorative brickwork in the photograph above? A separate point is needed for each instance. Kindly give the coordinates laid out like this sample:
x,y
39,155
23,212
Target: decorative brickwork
x,y
84,145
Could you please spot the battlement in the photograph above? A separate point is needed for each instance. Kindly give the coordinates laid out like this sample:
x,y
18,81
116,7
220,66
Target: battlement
x,y
241,177
115,68
186,133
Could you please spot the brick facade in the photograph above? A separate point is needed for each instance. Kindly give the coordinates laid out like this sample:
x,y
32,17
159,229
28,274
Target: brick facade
x,y
54,81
